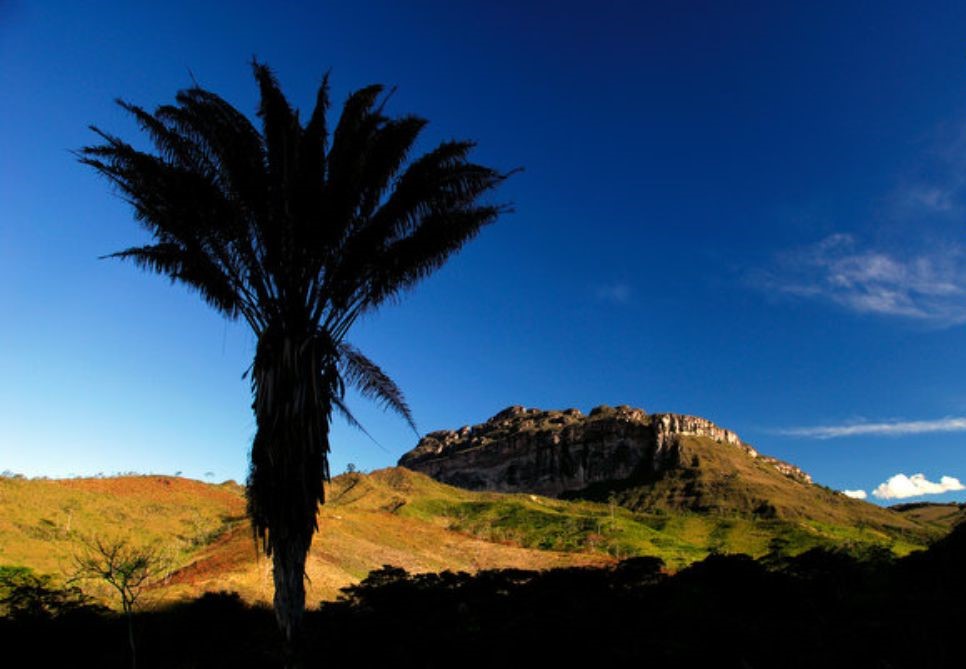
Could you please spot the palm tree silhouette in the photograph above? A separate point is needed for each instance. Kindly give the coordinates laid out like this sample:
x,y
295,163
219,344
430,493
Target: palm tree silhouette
x,y
299,234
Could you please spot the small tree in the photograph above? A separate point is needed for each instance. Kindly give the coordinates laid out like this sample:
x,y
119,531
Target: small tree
x,y
127,568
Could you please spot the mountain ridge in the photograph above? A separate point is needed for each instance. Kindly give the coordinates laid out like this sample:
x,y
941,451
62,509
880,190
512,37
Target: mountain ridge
x,y
437,453
646,462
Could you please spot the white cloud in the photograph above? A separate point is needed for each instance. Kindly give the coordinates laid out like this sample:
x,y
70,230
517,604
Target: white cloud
x,y
855,494
901,486
928,286
889,429
615,293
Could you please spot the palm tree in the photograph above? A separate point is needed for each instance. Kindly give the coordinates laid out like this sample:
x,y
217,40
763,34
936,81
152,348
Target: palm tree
x,y
299,233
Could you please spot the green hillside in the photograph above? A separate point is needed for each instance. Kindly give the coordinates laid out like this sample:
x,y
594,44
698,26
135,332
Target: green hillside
x,y
396,516
678,536
712,478
941,517
42,520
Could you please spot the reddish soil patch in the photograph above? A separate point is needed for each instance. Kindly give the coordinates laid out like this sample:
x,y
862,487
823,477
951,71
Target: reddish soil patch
x,y
234,551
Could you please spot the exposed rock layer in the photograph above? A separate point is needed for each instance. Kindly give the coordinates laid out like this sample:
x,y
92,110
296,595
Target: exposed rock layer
x,y
554,452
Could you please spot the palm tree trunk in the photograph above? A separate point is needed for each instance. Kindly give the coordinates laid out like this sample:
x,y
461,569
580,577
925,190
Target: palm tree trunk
x,y
288,570
293,380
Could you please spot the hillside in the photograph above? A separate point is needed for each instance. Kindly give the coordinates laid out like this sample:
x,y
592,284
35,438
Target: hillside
x,y
649,463
203,527
678,536
391,516
707,478
943,517
41,519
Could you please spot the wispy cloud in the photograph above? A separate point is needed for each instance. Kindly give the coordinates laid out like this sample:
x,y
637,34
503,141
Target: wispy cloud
x,y
926,287
855,494
617,292
885,429
935,188
901,486
917,271
928,198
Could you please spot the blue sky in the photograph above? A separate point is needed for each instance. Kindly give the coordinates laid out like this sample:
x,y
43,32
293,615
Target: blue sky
x,y
749,212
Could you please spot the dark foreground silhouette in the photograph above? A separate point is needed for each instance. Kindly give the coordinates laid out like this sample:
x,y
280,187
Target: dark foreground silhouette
x,y
819,609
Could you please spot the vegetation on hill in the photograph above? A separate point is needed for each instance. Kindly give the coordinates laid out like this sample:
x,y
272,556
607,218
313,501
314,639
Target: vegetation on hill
x,y
203,528
820,608
942,517
399,517
679,537
42,520
709,477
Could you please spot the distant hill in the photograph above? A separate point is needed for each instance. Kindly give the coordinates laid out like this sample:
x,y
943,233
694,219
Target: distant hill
x,y
391,516
941,516
651,463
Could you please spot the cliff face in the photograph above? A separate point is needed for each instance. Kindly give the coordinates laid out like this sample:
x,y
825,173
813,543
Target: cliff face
x,y
555,452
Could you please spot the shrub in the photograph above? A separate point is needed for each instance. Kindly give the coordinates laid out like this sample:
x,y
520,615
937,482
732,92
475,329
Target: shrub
x,y
26,594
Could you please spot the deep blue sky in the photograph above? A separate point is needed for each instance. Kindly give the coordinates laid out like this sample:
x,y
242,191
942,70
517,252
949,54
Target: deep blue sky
x,y
750,212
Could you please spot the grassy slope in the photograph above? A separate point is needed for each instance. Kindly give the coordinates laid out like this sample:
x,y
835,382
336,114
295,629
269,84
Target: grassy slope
x,y
806,516
395,516
203,527
717,476
942,517
41,520
715,480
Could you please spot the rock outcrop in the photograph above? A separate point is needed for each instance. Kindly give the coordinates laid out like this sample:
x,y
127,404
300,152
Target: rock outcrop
x,y
556,452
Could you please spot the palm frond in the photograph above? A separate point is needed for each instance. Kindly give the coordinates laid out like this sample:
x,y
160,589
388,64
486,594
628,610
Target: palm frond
x,y
194,269
234,148
440,179
313,145
343,410
227,139
387,151
280,128
439,187
372,383
345,164
281,132
417,256
174,146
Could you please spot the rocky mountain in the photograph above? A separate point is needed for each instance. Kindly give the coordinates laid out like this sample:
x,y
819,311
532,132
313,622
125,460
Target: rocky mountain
x,y
556,452
644,461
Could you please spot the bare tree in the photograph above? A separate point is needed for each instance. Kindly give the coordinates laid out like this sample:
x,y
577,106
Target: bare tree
x,y
127,568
